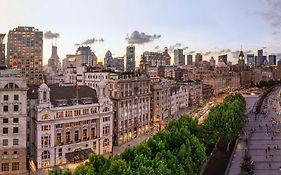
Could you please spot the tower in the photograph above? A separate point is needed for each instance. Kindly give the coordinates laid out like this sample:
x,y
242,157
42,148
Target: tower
x,y
2,50
130,58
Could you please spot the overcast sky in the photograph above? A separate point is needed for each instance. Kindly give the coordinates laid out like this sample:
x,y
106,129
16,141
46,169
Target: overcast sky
x,y
208,26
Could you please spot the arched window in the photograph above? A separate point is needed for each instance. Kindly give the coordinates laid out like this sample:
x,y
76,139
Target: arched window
x,y
45,117
45,155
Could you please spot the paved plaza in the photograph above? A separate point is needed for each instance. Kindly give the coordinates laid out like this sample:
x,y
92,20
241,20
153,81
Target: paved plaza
x,y
261,138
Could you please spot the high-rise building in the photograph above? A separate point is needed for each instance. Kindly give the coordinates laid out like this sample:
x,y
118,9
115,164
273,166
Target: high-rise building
x,y
223,58
198,59
54,61
179,57
130,59
25,49
189,59
85,57
212,62
13,121
272,60
154,59
118,63
166,56
130,95
251,60
2,50
260,59
108,59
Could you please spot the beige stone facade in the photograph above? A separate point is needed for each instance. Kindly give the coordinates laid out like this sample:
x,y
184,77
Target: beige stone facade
x,y
13,116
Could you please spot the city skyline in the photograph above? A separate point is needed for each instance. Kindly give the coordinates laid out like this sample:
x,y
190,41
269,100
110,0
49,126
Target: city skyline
x,y
200,26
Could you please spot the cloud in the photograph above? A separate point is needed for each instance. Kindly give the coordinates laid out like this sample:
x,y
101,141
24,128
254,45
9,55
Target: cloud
x,y
192,52
222,51
51,35
235,54
207,53
264,48
156,47
275,33
173,47
185,48
248,52
271,13
140,38
177,46
90,41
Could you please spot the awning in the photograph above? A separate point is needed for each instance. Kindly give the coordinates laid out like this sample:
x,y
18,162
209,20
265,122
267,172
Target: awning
x,y
78,155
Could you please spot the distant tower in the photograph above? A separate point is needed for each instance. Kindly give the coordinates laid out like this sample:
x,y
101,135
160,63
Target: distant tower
x,y
166,56
108,59
179,57
130,58
54,61
143,65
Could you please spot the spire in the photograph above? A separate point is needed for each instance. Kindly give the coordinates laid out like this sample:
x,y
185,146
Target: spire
x,y
241,55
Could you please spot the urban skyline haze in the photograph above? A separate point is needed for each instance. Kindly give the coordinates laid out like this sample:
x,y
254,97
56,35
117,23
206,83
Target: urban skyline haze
x,y
207,26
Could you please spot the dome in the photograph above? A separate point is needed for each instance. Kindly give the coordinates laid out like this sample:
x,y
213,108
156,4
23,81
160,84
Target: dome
x,y
221,64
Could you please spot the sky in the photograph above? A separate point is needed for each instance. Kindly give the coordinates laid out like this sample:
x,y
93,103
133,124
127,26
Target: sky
x,y
210,27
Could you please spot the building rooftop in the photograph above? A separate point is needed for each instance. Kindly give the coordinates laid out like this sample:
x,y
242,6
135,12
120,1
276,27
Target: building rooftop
x,y
66,95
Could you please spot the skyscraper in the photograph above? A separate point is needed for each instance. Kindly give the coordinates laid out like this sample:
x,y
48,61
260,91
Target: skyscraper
x,y
25,50
223,58
251,60
130,59
260,59
198,59
179,57
189,59
108,59
2,50
272,60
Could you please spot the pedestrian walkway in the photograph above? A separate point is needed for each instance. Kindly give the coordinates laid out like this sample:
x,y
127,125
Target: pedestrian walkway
x,y
262,132
241,144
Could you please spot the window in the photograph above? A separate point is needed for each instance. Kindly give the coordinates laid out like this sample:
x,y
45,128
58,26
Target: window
x,y
58,138
5,155
45,117
106,119
76,136
5,130
5,108
93,133
16,108
60,152
15,155
15,166
15,141
15,130
45,140
6,97
85,134
67,136
105,130
5,166
5,120
46,128
59,114
16,120
5,142
45,155
16,97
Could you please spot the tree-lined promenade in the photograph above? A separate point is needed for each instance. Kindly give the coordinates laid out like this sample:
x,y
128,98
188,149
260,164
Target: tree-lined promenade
x,y
181,148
